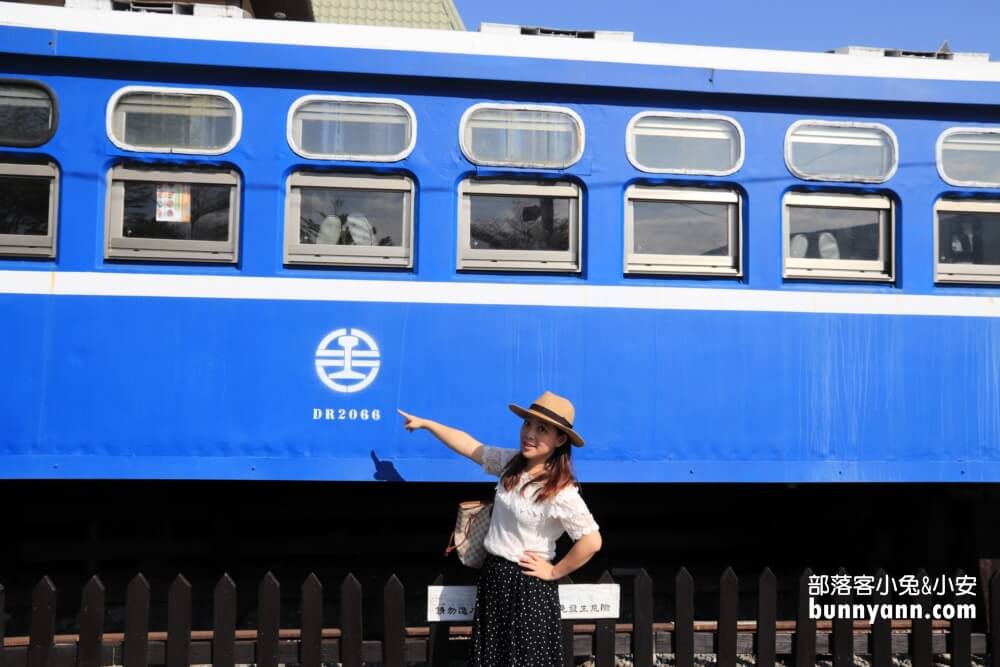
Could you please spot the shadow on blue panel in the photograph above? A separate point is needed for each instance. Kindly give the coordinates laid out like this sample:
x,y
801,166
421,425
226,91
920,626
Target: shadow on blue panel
x,y
385,471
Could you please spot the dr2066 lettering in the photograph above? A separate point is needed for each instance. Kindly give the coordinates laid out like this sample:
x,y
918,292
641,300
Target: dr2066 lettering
x,y
346,414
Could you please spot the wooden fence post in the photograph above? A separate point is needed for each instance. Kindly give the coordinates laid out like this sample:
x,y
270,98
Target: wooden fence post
x,y
729,589
960,645
224,623
91,624
311,640
437,641
767,617
268,620
566,633
604,633
993,644
920,631
137,623
881,632
351,634
683,639
43,623
843,630
3,658
394,623
805,627
642,620
179,623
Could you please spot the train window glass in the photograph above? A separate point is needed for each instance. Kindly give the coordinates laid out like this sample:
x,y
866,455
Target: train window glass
x,y
826,151
840,236
519,226
684,144
27,114
29,208
521,136
351,220
161,214
682,230
970,157
167,120
338,128
967,240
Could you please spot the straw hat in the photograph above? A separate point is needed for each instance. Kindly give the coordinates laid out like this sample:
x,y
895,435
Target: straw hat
x,y
554,410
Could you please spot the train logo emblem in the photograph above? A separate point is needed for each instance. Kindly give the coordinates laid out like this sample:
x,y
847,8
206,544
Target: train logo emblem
x,y
347,360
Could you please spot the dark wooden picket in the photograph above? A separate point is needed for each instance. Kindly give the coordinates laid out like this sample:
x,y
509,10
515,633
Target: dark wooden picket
x,y
393,623
91,624
311,641
729,590
268,620
3,618
604,633
137,622
994,649
437,640
960,645
642,620
567,636
179,623
805,627
224,622
351,636
881,632
767,617
920,631
43,624
683,638
843,630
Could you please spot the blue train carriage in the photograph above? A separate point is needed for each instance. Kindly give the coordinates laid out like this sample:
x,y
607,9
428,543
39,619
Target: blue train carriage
x,y
231,249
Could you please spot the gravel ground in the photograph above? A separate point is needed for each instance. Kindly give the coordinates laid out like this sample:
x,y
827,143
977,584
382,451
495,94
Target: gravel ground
x,y
745,660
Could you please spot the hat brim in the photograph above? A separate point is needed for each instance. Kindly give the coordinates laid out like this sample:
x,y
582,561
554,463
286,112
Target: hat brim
x,y
574,437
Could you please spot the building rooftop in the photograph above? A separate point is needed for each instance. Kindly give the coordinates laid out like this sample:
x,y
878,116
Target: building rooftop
x,y
434,14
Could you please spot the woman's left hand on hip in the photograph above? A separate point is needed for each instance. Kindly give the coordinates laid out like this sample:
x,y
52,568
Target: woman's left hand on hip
x,y
535,566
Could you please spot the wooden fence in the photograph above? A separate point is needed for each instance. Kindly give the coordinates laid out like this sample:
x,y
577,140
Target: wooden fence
x,y
799,641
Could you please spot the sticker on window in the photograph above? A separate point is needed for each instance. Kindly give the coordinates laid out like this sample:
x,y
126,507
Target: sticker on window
x,y
173,202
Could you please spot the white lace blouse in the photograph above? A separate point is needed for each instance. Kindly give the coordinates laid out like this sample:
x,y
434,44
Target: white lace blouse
x,y
519,524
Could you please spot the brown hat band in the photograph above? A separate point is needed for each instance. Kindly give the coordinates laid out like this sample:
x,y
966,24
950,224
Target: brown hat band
x,y
550,414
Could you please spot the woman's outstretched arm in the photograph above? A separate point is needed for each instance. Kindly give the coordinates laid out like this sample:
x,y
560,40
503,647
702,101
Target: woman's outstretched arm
x,y
458,441
583,550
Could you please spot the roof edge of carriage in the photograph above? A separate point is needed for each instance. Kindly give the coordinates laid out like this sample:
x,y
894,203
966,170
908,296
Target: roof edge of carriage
x,y
38,30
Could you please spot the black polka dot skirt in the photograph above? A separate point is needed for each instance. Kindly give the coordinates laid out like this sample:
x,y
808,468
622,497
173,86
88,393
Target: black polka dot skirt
x,y
516,623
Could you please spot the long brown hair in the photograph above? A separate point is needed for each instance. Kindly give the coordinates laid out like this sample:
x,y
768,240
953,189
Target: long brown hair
x,y
558,473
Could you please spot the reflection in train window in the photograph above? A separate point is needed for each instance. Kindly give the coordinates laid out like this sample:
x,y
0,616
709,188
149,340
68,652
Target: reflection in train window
x,y
27,114
663,142
170,120
827,151
29,208
517,225
682,230
967,240
346,219
186,215
345,128
521,136
840,236
970,157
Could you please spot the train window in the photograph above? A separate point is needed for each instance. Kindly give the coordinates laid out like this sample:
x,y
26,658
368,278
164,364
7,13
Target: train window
x,y
521,136
29,206
174,120
827,151
172,214
347,219
27,113
345,128
967,240
519,226
839,236
970,157
682,230
672,143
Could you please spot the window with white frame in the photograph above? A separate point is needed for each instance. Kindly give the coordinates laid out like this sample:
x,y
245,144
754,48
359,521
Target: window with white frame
x,y
519,226
172,214
662,142
967,240
838,236
682,230
169,120
838,151
29,208
27,113
970,157
343,128
357,220
521,136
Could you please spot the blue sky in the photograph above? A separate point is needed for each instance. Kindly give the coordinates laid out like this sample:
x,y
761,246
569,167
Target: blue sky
x,y
968,25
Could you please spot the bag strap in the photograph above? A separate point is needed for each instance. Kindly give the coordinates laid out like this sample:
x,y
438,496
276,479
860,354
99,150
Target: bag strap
x,y
468,524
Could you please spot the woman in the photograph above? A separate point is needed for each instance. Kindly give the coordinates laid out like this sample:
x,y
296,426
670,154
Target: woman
x,y
516,623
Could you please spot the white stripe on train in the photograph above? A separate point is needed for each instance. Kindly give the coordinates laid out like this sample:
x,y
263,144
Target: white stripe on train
x,y
645,297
